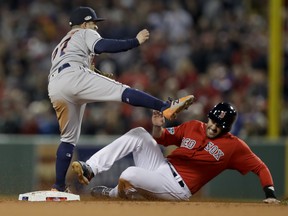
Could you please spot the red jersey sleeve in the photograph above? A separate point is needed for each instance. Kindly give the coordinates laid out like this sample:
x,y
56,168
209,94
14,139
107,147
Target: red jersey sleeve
x,y
172,135
244,160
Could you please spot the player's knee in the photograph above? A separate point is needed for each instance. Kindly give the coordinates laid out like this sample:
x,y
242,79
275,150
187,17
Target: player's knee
x,y
129,175
141,133
138,131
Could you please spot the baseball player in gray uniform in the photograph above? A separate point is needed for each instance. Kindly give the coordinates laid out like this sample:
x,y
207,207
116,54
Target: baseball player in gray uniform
x,y
72,84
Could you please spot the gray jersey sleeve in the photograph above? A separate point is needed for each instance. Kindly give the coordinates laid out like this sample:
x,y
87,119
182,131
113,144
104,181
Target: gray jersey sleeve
x,y
91,37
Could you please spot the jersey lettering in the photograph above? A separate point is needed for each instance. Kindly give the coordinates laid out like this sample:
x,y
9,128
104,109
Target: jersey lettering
x,y
188,143
64,45
214,151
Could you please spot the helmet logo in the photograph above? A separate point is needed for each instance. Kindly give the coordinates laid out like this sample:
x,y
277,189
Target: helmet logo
x,y
222,114
88,18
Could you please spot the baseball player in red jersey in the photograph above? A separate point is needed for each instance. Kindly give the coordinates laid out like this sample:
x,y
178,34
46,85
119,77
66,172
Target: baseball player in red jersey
x,y
72,83
204,150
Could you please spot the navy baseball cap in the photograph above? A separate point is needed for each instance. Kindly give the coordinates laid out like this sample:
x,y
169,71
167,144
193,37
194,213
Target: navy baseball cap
x,y
83,14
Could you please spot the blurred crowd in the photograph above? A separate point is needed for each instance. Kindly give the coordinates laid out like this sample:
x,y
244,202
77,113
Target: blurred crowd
x,y
214,49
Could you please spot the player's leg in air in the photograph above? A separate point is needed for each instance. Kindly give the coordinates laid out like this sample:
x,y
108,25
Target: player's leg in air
x,y
170,109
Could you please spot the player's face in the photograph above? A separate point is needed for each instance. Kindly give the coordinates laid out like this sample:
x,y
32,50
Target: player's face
x,y
91,25
213,129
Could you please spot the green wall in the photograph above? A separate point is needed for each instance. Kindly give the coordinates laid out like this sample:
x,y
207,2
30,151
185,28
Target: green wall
x,y
231,184
17,168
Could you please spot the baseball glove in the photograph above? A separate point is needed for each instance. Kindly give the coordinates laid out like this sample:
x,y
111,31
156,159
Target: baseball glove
x,y
109,75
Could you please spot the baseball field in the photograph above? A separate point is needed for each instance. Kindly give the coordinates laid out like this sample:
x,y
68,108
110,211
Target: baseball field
x,y
10,206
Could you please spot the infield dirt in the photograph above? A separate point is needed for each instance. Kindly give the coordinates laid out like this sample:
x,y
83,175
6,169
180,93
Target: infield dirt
x,y
10,206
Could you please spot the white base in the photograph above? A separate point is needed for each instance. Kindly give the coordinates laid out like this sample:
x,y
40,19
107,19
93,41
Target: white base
x,y
49,196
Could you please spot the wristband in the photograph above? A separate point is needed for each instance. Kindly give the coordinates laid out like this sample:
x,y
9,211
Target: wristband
x,y
269,192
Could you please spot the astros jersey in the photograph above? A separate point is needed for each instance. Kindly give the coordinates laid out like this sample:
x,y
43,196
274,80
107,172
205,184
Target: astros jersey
x,y
72,84
77,47
199,159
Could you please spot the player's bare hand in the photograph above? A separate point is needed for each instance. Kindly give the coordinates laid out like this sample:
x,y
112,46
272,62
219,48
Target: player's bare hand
x,y
142,36
158,118
271,201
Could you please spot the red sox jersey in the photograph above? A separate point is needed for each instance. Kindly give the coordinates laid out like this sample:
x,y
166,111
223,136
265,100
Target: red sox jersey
x,y
199,159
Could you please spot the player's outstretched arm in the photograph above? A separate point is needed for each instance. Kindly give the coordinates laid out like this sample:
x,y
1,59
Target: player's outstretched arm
x,y
142,36
114,45
158,121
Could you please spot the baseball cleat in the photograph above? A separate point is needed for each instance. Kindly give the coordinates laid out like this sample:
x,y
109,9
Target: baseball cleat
x,y
66,190
177,106
100,191
83,171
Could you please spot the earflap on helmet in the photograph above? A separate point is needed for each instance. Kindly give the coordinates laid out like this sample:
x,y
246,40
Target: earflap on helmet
x,y
224,115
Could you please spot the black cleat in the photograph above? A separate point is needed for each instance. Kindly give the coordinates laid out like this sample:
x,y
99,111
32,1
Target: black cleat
x,y
100,191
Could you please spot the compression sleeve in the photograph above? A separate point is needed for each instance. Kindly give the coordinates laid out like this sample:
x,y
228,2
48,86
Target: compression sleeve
x,y
114,45
264,175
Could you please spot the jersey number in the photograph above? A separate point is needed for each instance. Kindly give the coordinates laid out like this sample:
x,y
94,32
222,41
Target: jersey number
x,y
63,45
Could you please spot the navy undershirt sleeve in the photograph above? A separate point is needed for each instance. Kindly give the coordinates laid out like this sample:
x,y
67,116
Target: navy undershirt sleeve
x,y
114,45
136,97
